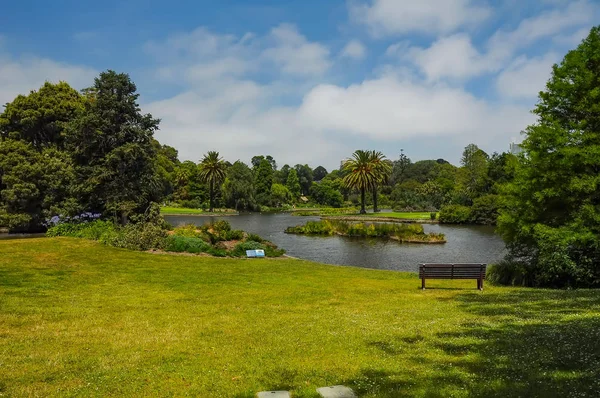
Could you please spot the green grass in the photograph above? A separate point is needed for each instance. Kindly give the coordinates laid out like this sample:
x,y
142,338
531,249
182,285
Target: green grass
x,y
402,215
81,319
166,211
179,210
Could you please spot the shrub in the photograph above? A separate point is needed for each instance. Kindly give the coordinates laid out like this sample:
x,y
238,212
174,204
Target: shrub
x,y
510,273
142,236
485,210
188,230
88,230
255,238
432,215
190,204
180,244
455,214
234,234
240,249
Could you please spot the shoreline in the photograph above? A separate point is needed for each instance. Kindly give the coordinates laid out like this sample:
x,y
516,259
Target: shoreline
x,y
381,219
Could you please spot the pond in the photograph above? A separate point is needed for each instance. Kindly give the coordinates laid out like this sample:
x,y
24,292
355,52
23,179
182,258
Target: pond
x,y
465,244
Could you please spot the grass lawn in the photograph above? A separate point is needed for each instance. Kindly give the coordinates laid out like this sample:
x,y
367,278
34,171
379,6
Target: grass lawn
x,y
179,210
185,211
81,319
403,215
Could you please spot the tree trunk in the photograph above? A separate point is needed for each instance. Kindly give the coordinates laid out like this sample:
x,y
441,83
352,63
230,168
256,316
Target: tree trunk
x,y
362,201
375,209
210,199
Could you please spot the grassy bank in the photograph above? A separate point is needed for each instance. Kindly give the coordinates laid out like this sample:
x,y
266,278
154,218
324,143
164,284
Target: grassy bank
x,y
172,211
79,318
351,212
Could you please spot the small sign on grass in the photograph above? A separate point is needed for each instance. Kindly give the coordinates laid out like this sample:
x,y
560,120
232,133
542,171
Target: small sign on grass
x,y
255,253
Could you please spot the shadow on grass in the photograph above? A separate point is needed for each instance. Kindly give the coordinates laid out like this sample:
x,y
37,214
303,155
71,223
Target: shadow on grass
x,y
526,344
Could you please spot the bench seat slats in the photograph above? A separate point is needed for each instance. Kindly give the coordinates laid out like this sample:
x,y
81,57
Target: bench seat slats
x,y
453,271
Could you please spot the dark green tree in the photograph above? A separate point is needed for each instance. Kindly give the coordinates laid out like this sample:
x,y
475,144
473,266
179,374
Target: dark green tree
x,y
212,172
281,176
238,188
550,218
319,173
111,143
40,118
325,193
293,184
473,174
263,181
305,176
35,185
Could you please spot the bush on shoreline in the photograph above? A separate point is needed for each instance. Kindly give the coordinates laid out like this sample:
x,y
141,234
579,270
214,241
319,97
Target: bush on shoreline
x,y
215,239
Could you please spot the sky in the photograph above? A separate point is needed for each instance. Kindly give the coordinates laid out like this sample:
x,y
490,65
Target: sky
x,y
306,81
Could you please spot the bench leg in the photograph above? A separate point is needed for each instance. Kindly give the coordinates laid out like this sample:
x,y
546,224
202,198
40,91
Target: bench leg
x,y
423,283
481,284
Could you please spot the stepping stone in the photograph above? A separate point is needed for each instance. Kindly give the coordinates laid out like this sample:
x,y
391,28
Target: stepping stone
x,y
273,394
336,392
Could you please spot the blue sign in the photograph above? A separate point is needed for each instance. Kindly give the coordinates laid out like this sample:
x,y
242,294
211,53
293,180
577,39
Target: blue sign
x,y
255,253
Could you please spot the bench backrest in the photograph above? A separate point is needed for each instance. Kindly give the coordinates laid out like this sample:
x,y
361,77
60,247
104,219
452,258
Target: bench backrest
x,y
452,271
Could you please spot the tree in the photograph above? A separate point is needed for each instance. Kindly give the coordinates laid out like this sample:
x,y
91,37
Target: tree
x,y
111,144
40,118
305,175
34,185
212,172
474,171
325,193
36,174
319,173
239,188
282,174
263,181
280,195
381,169
293,184
399,168
550,218
360,174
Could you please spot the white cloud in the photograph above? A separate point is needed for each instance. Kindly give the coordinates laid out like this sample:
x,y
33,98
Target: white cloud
x,y
354,49
241,120
452,57
573,39
547,24
392,17
389,108
296,55
455,56
20,76
203,57
525,77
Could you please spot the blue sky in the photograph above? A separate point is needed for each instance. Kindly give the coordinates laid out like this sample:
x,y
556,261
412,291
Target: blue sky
x,y
306,81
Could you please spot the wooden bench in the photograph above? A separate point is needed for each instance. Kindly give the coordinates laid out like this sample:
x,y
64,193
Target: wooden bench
x,y
452,271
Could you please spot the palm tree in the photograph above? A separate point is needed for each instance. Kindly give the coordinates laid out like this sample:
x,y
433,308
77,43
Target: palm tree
x,y
212,171
360,175
381,172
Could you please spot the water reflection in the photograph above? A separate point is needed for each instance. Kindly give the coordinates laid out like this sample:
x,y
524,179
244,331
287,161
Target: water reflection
x,y
464,243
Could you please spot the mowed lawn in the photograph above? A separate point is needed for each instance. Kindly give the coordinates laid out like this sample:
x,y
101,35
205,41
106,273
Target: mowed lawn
x,y
81,319
179,210
402,215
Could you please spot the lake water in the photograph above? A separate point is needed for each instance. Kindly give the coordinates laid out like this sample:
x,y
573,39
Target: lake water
x,y
465,244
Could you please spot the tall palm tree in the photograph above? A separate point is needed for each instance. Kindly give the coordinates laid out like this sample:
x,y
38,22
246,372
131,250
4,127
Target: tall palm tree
x,y
381,172
360,174
212,171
